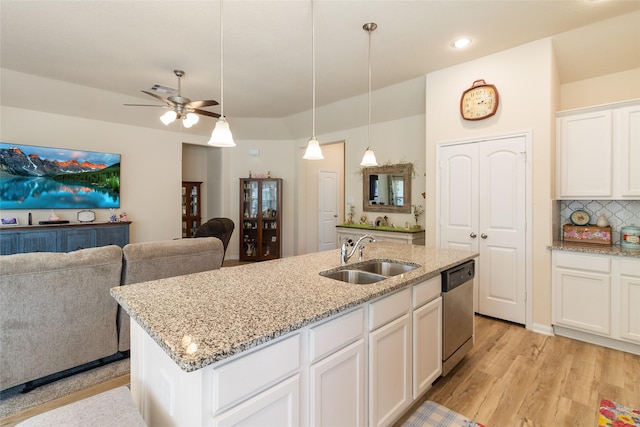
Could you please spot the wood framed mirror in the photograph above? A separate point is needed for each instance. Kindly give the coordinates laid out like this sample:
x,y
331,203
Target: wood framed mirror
x,y
387,188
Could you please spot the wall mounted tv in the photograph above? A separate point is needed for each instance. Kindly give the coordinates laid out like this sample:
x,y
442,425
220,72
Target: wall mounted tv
x,y
33,177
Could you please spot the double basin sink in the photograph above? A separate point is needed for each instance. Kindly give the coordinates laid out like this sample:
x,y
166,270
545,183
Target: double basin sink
x,y
369,272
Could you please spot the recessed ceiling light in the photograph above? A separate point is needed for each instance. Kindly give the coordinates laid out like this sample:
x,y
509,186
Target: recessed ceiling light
x,y
460,43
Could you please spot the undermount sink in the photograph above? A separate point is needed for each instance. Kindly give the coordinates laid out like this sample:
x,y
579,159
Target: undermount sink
x,y
386,268
356,277
369,272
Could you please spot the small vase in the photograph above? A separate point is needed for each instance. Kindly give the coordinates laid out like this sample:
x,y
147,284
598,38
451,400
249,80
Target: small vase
x,y
602,221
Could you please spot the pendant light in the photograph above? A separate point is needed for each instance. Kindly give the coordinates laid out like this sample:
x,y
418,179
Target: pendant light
x,y
221,135
369,158
313,151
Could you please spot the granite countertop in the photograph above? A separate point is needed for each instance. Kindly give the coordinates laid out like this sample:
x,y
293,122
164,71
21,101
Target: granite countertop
x,y
594,249
202,318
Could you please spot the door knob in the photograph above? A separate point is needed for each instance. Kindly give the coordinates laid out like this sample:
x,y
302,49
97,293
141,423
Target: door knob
x,y
473,235
484,236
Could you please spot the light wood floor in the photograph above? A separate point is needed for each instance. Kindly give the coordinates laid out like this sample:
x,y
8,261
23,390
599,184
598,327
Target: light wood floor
x,y
512,377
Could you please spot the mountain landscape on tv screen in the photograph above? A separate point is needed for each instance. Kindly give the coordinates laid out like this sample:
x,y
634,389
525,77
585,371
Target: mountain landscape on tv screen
x,y
34,177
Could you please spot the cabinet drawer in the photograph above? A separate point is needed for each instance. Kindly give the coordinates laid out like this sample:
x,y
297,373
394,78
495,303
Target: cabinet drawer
x,y
258,371
426,291
388,308
335,334
630,268
601,264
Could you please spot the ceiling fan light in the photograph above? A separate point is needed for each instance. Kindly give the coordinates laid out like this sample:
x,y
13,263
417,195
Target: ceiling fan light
x,y
190,119
369,158
168,117
221,135
313,151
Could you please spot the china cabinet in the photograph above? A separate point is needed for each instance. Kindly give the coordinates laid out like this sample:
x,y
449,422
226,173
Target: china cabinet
x,y
598,152
260,218
191,208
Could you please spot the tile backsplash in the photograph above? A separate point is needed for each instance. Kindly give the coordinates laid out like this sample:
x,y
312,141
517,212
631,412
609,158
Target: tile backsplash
x,y
618,212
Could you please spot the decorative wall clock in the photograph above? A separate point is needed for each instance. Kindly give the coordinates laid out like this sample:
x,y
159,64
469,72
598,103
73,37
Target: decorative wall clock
x,y
479,101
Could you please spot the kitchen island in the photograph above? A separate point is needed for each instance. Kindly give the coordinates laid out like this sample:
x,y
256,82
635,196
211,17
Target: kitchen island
x,y
209,348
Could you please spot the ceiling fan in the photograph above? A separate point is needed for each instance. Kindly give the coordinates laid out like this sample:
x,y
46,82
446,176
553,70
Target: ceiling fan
x,y
180,107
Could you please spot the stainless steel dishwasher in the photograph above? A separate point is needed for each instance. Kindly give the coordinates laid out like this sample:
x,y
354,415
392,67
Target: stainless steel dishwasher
x,y
457,314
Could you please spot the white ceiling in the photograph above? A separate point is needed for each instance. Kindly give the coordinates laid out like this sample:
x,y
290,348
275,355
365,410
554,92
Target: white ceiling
x,y
126,46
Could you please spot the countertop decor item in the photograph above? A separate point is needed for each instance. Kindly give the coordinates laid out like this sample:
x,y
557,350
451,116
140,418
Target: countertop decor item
x,y
479,101
579,218
588,234
602,221
630,237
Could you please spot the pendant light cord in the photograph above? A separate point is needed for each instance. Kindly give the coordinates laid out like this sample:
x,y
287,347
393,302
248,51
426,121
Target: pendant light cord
x,y
221,64
369,31
313,73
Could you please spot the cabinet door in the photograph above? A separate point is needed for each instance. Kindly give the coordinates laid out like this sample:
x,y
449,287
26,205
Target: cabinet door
x,y
39,241
277,406
112,235
389,371
582,299
630,300
585,155
337,388
427,346
9,243
628,137
78,239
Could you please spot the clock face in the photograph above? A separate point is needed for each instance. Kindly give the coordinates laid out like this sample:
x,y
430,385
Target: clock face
x,y
479,102
579,218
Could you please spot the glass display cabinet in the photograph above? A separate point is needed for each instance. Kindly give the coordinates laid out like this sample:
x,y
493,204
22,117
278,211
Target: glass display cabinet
x,y
260,218
191,206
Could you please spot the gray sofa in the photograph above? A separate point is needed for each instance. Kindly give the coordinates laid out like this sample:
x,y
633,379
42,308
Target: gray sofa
x,y
56,312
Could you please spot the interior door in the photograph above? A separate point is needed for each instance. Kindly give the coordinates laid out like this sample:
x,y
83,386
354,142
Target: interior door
x,y
482,208
502,229
327,210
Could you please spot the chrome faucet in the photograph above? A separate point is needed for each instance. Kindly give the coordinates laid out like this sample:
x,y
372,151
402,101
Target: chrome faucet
x,y
344,255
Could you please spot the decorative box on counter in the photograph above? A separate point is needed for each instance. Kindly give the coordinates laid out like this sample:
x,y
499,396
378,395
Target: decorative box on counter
x,y
589,234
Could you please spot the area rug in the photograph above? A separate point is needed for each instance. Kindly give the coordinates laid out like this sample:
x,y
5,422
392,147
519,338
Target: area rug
x,y
616,415
13,401
434,415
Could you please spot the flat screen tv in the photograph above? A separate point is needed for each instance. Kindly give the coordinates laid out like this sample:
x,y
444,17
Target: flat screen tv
x,y
33,177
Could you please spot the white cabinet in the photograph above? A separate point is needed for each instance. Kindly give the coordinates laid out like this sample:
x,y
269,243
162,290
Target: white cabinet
x,y
410,237
595,299
598,152
338,388
337,372
389,358
629,277
582,292
277,406
427,334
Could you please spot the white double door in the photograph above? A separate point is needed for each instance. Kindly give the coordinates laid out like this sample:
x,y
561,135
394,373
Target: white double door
x,y
482,207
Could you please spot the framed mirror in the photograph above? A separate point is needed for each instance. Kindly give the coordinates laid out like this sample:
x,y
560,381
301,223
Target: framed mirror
x,y
387,188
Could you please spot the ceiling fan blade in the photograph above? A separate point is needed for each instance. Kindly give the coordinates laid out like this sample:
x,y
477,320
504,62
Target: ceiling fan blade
x,y
205,113
159,97
200,104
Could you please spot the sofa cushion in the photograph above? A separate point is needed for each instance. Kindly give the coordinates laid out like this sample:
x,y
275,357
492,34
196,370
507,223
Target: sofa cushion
x,y
147,261
56,311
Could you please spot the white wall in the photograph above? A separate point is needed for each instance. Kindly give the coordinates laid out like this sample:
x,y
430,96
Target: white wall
x,y
525,78
150,190
601,90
